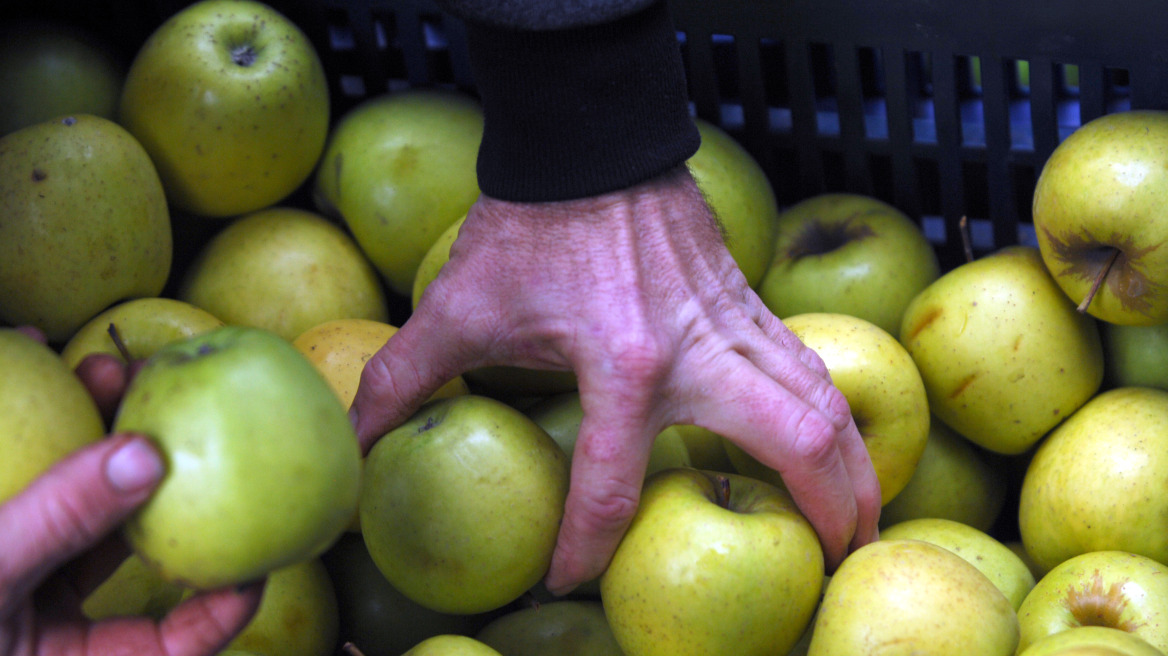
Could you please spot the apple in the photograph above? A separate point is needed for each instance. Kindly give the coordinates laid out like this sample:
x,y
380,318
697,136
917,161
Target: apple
x,y
741,197
705,447
1114,589
565,628
1096,214
451,645
286,270
850,254
45,411
142,325
712,563
1090,640
399,169
375,616
263,465
432,262
85,223
339,349
231,101
50,68
1003,352
954,479
561,415
1135,356
909,597
133,589
1099,480
298,614
461,505
993,558
883,389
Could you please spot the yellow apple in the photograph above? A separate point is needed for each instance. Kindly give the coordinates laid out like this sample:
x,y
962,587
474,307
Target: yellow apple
x,y
285,270
451,645
231,101
85,223
298,615
340,348
883,389
134,588
143,325
910,597
45,411
399,169
1003,352
994,559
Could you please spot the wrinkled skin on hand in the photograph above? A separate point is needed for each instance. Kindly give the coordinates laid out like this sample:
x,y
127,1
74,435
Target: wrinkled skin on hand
x,y
60,542
636,293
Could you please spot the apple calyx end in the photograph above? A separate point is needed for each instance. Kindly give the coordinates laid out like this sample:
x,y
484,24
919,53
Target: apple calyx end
x,y
1099,604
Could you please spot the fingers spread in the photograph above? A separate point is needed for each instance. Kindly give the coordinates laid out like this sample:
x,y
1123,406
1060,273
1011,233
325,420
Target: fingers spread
x,y
71,508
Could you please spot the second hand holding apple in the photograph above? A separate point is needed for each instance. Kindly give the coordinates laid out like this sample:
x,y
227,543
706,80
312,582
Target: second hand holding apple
x,y
636,292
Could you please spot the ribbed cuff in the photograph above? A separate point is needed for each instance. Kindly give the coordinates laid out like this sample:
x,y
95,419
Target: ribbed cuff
x,y
580,112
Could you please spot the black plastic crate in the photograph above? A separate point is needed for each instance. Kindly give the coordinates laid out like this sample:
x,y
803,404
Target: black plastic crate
x,y
945,109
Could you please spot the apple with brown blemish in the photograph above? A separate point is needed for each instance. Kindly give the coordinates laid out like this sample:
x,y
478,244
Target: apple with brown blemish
x,y
1113,589
1100,220
1002,351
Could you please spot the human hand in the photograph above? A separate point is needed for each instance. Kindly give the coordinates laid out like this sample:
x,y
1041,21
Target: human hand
x,y
636,292
59,544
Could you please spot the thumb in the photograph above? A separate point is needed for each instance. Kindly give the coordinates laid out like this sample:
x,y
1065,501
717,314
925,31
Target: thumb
x,y
70,508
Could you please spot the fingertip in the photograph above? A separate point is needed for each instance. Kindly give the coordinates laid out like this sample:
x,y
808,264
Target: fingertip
x,y
106,378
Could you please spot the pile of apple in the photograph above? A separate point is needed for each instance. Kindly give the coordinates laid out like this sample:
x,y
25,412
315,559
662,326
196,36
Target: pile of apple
x,y
205,215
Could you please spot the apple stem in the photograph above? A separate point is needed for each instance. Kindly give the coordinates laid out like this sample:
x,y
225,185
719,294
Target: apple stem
x,y
966,241
723,490
121,345
1098,281
351,649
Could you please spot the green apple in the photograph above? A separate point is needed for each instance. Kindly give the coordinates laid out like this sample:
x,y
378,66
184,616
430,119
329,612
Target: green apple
x,y
143,325
883,388
712,563
564,628
45,411
1100,588
85,223
1099,481
993,558
375,616
1090,640
263,465
954,479
740,195
231,101
134,588
451,645
286,270
1135,356
912,597
1003,353
399,169
298,614
432,262
461,505
1097,216
51,68
561,415
850,254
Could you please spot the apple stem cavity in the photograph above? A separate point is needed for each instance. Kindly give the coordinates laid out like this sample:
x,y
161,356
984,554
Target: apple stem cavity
x,y
119,343
1098,281
243,55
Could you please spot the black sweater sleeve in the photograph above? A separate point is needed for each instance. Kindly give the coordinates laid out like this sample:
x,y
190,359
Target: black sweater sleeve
x,y
580,111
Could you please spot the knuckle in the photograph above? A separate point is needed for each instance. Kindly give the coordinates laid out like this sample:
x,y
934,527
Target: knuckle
x,y
815,437
606,505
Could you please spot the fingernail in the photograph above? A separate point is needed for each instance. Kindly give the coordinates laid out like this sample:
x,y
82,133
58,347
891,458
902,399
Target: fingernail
x,y
134,466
